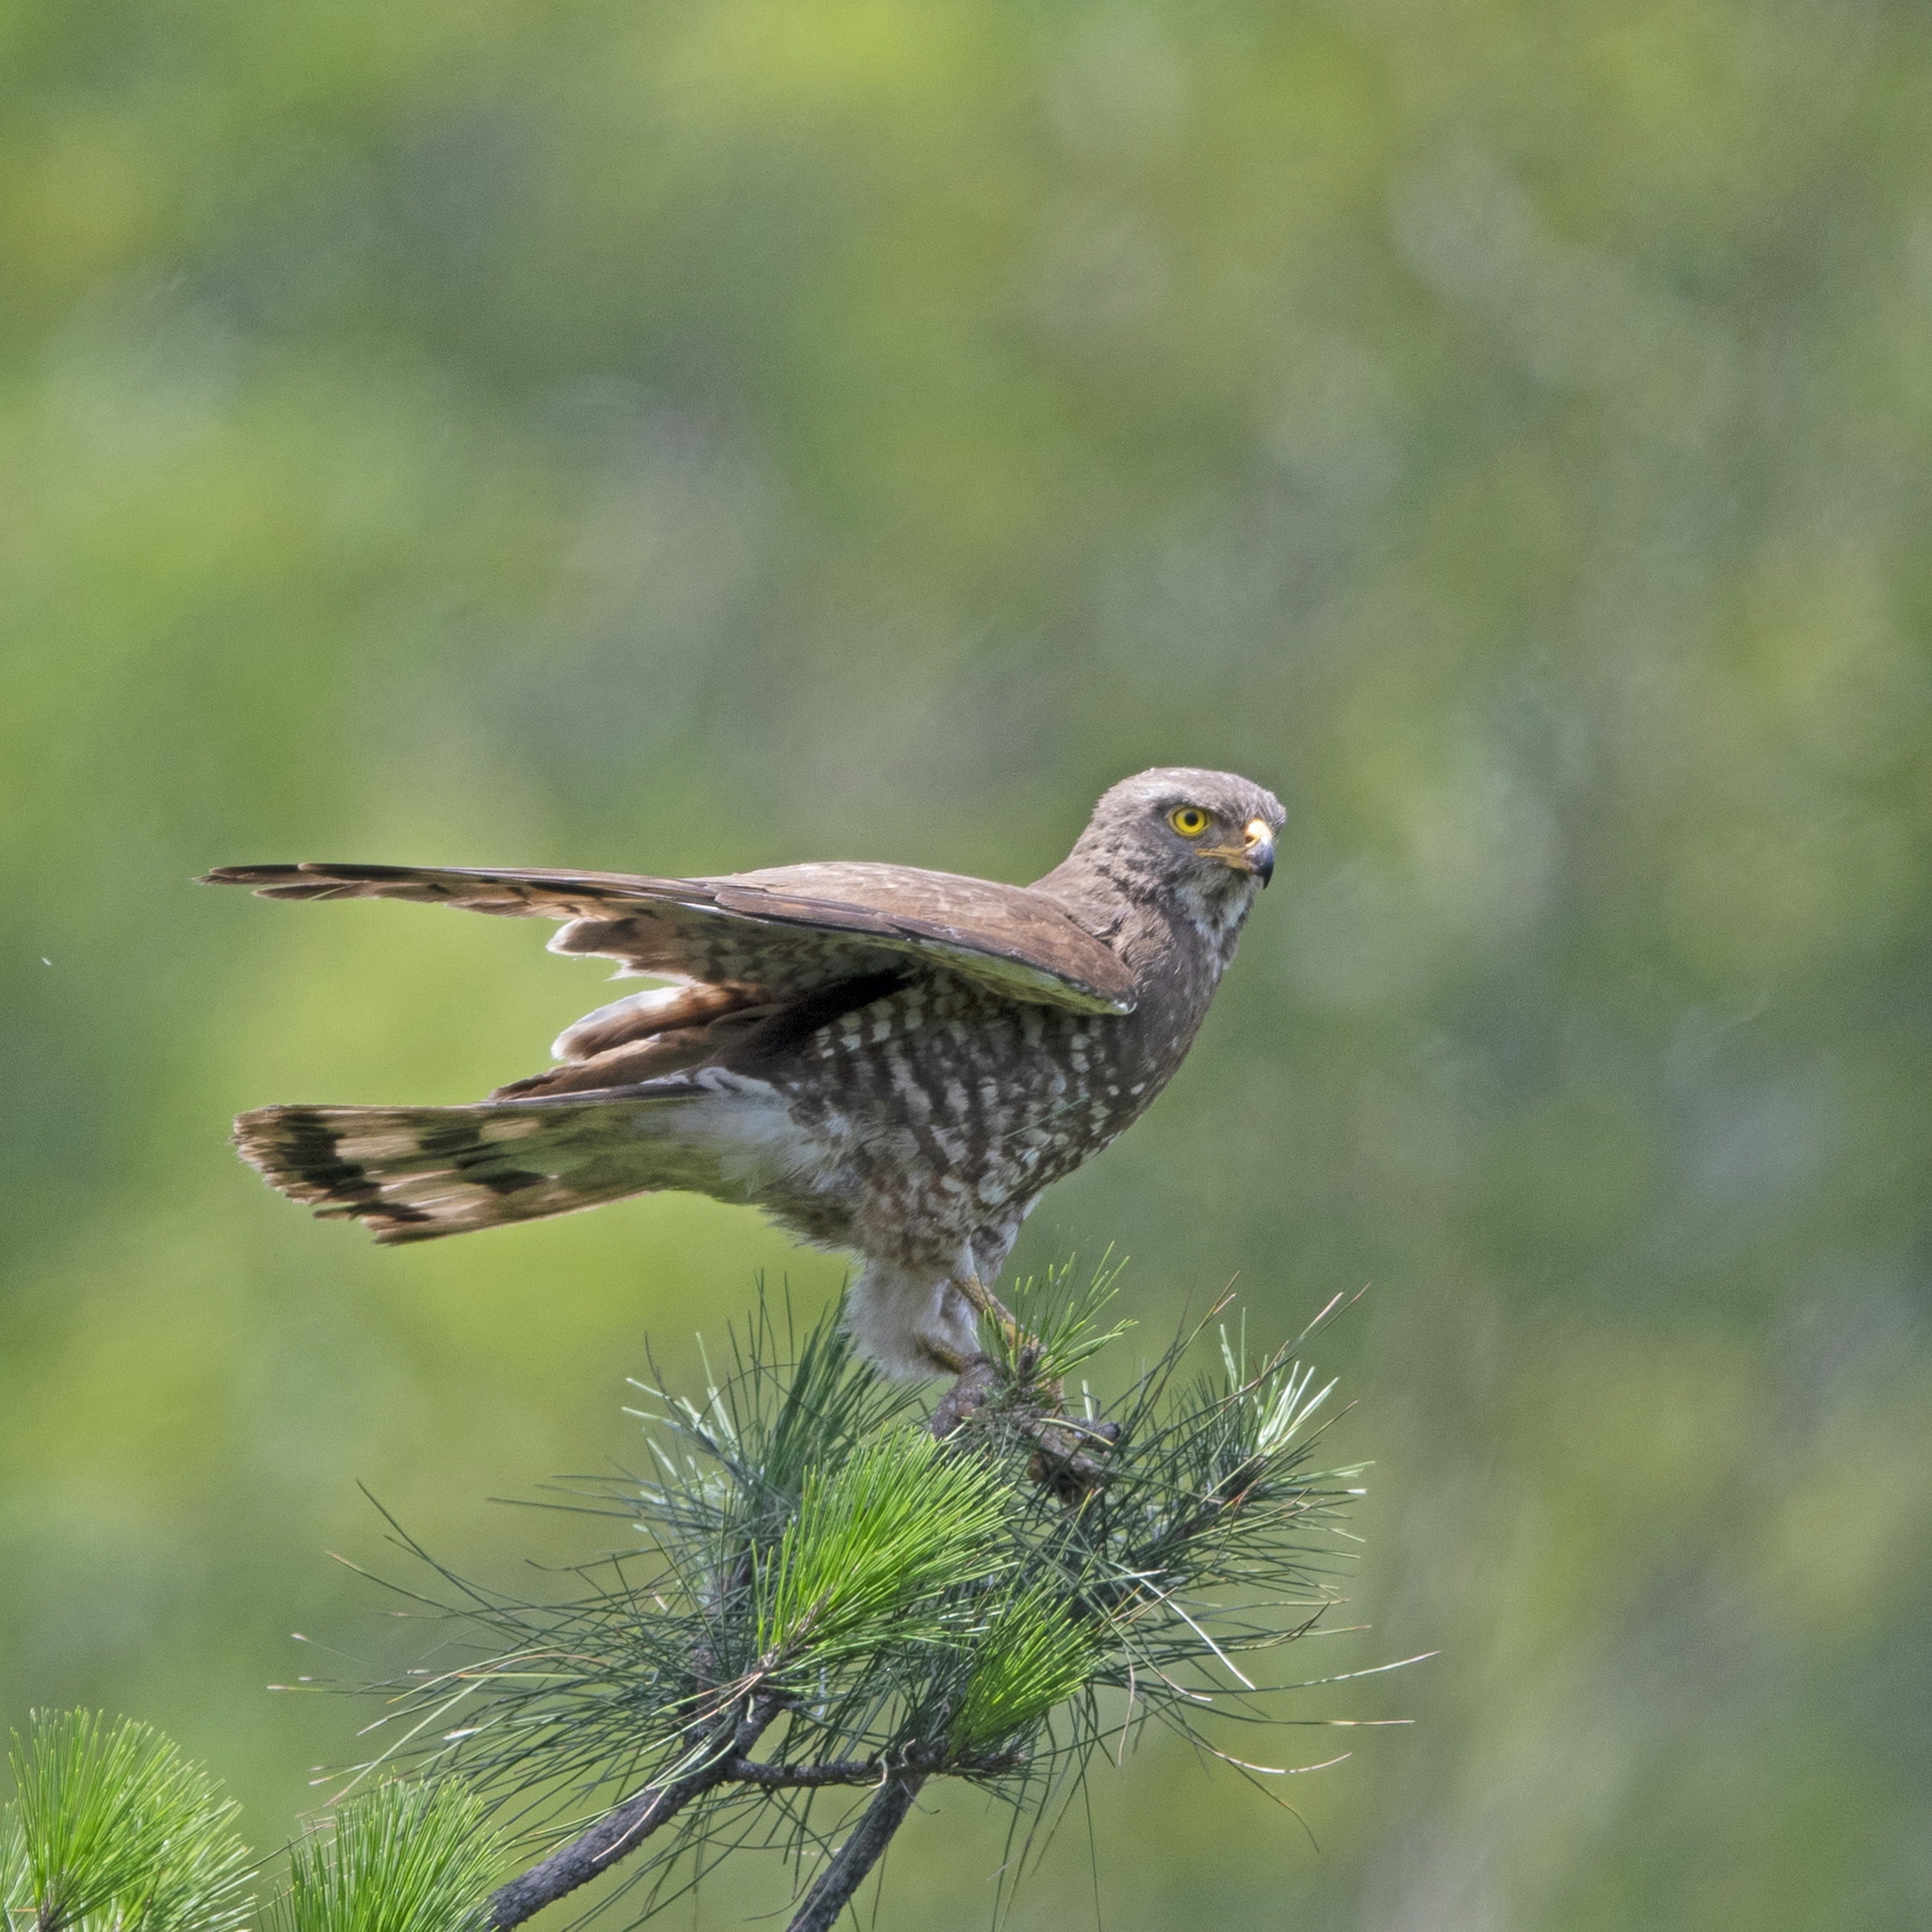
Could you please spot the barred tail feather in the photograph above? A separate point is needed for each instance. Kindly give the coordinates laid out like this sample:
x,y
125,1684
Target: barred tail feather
x,y
415,1173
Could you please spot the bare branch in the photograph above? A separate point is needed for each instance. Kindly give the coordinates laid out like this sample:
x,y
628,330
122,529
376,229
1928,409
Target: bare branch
x,y
620,1832
860,1852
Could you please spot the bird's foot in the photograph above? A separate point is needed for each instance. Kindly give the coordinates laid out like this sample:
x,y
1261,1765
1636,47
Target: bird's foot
x,y
975,1378
988,1306
1016,1351
1067,1450
1068,1455
1002,1390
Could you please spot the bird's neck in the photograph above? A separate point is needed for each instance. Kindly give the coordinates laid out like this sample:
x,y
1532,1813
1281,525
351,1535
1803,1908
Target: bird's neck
x,y
1093,892
1144,920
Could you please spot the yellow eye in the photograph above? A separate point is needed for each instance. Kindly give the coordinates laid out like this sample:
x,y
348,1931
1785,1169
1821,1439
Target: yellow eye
x,y
1189,820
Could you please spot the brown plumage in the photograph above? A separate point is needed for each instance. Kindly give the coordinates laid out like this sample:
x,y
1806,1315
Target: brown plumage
x,y
887,1061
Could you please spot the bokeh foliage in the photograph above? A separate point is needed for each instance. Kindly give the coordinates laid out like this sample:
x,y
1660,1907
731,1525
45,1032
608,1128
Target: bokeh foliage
x,y
697,436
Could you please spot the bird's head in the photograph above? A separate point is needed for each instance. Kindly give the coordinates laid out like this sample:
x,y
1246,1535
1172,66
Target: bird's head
x,y
1203,838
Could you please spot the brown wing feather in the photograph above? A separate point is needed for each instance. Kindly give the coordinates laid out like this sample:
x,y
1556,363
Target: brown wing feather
x,y
670,1052
644,1016
787,929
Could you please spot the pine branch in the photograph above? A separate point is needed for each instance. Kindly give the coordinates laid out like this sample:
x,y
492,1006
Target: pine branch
x,y
620,1831
870,1606
867,1602
836,1885
867,1771
806,1777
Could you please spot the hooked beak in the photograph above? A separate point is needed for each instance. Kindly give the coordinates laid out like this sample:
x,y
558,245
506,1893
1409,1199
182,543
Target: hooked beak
x,y
1255,854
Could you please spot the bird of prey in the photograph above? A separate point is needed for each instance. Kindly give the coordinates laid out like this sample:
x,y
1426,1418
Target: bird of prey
x,y
886,1060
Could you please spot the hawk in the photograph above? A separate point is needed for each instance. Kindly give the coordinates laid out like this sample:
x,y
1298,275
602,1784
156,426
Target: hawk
x,y
886,1060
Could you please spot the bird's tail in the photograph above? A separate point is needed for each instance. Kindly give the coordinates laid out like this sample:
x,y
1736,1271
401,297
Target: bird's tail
x,y
411,1174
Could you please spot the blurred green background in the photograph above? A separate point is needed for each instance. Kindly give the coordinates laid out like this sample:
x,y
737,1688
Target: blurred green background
x,y
681,437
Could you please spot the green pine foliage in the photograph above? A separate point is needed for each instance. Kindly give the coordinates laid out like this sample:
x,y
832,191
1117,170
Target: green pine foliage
x,y
1030,1656
827,1604
399,1857
876,1543
16,1890
1062,1325
113,1831
820,1595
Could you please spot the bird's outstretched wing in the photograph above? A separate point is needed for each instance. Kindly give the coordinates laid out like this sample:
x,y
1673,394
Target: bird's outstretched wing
x,y
780,934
